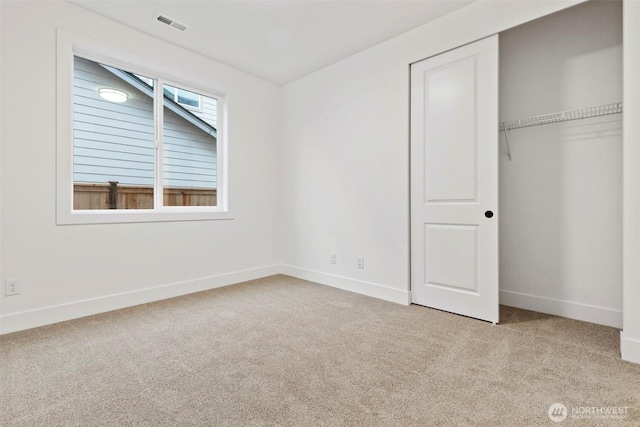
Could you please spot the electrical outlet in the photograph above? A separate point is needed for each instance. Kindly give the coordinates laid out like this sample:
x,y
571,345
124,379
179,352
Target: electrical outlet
x,y
334,259
12,287
360,262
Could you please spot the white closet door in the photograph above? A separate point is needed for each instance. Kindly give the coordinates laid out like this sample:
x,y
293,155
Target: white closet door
x,y
454,181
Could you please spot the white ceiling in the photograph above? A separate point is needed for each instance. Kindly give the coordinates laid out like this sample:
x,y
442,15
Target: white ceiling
x,y
279,41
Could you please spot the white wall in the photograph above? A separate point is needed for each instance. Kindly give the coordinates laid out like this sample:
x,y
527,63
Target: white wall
x,y
630,336
2,276
69,271
561,194
346,157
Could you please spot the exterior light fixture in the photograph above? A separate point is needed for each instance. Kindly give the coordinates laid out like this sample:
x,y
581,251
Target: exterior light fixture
x,y
113,95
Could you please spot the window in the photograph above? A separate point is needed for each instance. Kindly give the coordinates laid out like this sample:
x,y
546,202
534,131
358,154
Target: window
x,y
139,148
114,150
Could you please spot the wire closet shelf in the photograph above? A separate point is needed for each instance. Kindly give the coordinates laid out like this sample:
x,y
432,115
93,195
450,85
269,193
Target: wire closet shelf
x,y
563,116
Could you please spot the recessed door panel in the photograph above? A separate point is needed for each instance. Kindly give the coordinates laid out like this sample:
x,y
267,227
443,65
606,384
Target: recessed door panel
x,y
450,114
451,256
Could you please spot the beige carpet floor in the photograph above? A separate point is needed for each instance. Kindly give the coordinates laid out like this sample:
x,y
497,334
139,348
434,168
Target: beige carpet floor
x,y
285,352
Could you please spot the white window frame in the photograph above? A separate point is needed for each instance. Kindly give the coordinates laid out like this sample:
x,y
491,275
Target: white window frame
x,y
70,45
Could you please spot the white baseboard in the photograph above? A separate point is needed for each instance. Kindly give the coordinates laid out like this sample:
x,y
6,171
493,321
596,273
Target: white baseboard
x,y
629,349
59,313
358,286
572,310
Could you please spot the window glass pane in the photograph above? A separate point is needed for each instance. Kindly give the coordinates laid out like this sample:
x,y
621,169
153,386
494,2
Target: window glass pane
x,y
190,155
188,98
113,138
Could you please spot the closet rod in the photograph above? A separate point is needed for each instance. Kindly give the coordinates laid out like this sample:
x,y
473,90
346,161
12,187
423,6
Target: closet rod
x,y
563,116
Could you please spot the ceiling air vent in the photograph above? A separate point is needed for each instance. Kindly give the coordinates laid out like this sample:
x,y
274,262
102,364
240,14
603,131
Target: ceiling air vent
x,y
171,22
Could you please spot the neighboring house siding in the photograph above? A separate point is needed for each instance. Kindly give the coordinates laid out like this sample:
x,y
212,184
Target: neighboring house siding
x,y
189,154
115,142
209,111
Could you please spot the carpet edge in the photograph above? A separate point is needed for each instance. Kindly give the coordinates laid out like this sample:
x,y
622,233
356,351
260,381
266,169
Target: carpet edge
x,y
361,287
19,321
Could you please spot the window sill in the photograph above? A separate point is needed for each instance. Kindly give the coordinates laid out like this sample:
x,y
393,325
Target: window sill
x,y
142,215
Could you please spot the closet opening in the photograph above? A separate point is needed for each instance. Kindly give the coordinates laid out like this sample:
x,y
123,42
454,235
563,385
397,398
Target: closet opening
x,y
560,164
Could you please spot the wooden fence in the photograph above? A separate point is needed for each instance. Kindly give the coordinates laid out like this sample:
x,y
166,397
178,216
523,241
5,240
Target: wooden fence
x,y
114,196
